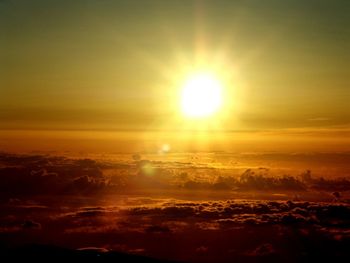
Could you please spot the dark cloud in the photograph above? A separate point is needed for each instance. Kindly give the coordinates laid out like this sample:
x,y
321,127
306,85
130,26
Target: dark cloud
x,y
263,250
202,249
230,213
29,224
133,205
157,229
25,175
261,180
30,175
339,184
220,230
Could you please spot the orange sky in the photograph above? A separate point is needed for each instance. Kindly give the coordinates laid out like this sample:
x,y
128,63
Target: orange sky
x,y
107,75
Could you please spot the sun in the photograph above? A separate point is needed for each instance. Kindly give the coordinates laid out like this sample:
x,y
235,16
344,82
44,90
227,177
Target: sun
x,y
201,95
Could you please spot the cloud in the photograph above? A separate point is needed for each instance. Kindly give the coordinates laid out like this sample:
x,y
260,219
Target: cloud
x,y
26,175
202,249
230,213
266,249
29,224
157,229
215,229
132,205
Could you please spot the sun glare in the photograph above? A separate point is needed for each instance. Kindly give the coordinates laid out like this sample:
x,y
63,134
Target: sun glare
x,y
201,96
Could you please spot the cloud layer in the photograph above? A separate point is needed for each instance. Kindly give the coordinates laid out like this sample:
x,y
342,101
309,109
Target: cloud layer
x,y
37,174
185,211
220,230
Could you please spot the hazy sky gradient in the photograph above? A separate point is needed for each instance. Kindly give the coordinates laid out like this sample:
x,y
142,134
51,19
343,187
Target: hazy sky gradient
x,y
112,65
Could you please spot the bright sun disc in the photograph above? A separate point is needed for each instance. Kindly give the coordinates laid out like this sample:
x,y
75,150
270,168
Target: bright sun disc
x,y
201,96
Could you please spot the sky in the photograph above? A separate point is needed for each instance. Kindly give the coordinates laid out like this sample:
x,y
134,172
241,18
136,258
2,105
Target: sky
x,y
120,65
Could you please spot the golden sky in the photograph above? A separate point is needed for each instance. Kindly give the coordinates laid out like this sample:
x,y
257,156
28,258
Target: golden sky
x,y
120,65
